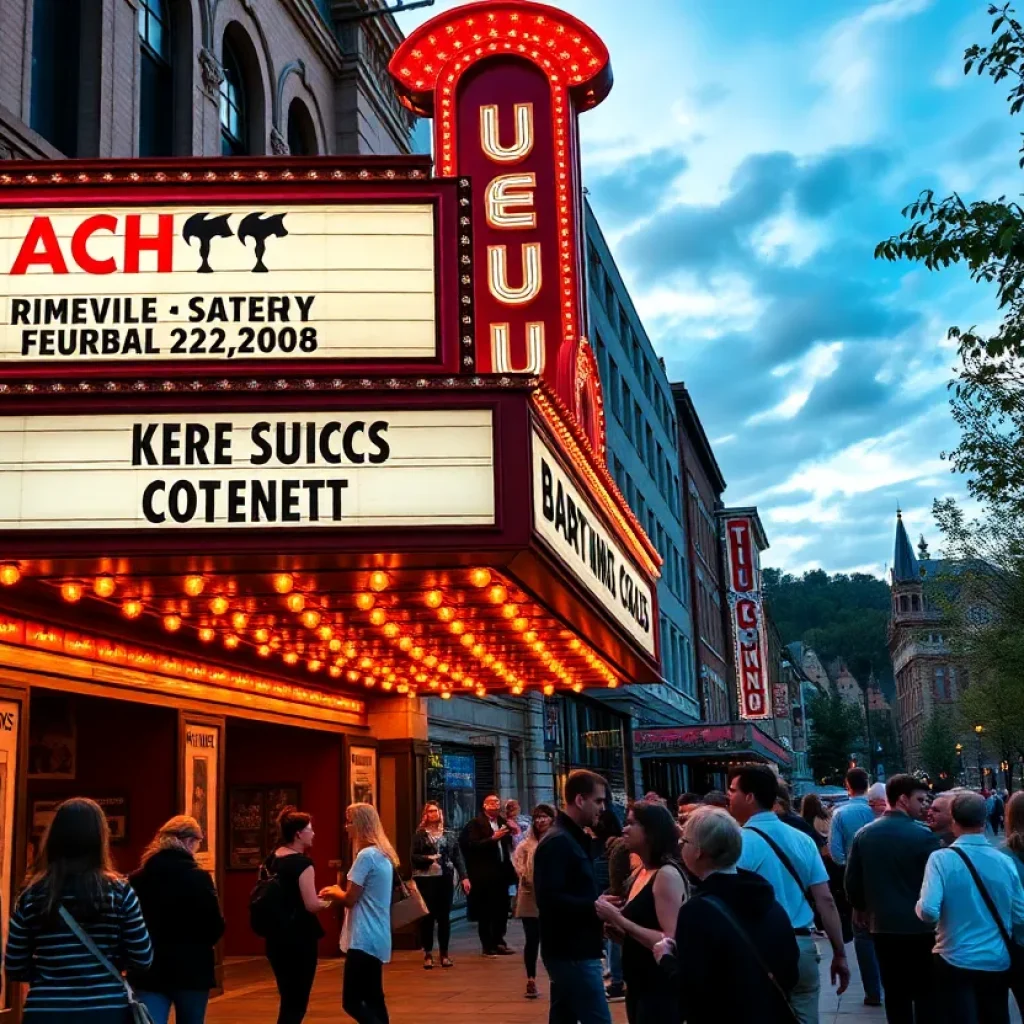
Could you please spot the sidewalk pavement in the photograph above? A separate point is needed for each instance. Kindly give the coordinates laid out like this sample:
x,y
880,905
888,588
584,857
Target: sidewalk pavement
x,y
473,990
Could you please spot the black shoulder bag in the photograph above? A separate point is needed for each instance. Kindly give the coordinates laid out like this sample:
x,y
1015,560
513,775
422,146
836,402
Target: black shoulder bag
x,y
752,949
787,864
1016,952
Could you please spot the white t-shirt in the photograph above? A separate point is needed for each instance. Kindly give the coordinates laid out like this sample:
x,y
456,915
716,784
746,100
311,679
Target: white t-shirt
x,y
368,923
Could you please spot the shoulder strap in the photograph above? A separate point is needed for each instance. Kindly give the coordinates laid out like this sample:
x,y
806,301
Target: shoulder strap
x,y
86,941
742,932
786,863
1010,944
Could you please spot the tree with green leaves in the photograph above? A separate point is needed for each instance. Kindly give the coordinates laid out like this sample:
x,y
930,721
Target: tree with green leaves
x,y
938,749
987,237
837,731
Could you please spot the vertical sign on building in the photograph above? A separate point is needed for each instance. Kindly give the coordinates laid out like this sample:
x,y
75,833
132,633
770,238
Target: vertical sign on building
x,y
751,648
505,81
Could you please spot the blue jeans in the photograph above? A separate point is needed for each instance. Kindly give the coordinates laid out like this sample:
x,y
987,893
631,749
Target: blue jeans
x,y
577,992
189,1005
613,952
867,961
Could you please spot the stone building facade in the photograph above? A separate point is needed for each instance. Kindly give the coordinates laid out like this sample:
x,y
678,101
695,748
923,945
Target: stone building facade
x,y
128,78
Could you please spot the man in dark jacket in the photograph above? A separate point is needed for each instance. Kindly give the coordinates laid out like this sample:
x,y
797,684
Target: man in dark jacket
x,y
486,844
884,874
571,934
733,937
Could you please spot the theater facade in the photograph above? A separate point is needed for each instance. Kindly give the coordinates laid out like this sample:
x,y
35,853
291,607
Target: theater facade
x,y
289,445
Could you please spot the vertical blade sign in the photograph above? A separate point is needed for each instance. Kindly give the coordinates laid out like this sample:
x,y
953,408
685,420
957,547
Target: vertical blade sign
x,y
505,81
748,623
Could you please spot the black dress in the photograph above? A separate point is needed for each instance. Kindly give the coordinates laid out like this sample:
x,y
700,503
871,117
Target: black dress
x,y
651,997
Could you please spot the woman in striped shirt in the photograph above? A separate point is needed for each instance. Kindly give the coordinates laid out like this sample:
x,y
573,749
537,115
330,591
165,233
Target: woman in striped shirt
x,y
66,982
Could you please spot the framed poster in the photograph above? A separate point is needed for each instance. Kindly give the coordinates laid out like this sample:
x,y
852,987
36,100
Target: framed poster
x,y
202,785
252,822
362,775
53,739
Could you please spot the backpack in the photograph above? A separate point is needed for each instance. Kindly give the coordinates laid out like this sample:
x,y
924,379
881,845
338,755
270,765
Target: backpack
x,y
269,913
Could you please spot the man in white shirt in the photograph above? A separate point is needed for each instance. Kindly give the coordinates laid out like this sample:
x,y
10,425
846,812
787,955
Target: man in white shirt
x,y
790,861
973,958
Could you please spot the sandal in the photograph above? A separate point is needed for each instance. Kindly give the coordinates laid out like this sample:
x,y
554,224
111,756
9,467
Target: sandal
x,y
428,962
446,961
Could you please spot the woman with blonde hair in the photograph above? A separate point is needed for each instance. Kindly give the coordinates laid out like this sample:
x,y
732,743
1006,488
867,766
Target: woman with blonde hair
x,y
526,898
180,906
436,859
73,892
366,934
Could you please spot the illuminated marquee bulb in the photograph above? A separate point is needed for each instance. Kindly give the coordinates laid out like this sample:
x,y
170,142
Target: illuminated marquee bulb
x,y
283,582
378,617
468,639
510,611
335,645
457,627
430,661
480,577
365,601
295,602
517,689
194,585
311,618
446,614
549,689
231,641
290,657
131,609
314,665
391,630
10,573
379,581
416,653
172,623
206,634
334,672
477,650
352,676
369,681
325,632
520,624
72,591
446,695
497,594
530,636
263,650
261,635
577,687
104,586
239,621
219,605
433,598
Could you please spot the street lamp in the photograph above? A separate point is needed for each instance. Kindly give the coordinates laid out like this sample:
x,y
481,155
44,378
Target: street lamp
x,y
978,730
960,760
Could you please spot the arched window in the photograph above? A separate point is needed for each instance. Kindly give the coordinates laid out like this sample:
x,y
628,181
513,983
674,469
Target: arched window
x,y
903,603
56,43
301,133
156,121
233,124
915,603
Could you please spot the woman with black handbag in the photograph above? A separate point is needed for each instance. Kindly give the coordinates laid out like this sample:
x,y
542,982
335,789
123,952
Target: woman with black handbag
x,y
76,926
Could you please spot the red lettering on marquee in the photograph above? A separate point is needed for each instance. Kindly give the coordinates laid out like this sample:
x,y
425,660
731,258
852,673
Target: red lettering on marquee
x,y
748,627
162,243
40,233
85,231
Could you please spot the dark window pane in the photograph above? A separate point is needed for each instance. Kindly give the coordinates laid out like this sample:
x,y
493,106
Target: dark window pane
x,y
155,108
56,37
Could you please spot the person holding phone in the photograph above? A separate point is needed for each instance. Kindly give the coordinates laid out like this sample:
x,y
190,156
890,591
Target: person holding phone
x,y
486,844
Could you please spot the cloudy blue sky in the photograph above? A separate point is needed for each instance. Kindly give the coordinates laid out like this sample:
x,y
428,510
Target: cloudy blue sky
x,y
748,160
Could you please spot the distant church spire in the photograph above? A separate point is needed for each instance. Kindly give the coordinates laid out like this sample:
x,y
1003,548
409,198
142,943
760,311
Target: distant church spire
x,y
922,550
904,565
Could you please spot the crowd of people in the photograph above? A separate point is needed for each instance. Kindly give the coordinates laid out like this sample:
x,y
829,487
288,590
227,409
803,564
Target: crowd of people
x,y
716,912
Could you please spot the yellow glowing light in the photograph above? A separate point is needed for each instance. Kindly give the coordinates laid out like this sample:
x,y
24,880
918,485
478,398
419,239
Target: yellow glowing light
x,y
131,609
261,635
538,646
549,689
446,614
433,598
577,687
219,605
497,594
411,694
206,634
325,632
104,586
520,624
430,661
530,635
295,602
365,601
369,681
72,591
239,621
457,676
468,640
335,645
457,627
379,581
509,611
314,665
517,689
574,644
352,676
612,684
480,577
416,653
403,688
284,582
334,672
365,662
263,650
172,623
231,641
476,650
10,573
194,585
290,657
391,630
378,617
446,695
311,618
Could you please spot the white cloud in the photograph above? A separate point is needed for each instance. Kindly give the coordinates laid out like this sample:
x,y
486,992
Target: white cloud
x,y
689,309
788,239
818,364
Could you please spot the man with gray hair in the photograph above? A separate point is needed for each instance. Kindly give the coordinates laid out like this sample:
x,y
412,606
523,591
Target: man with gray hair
x,y
974,893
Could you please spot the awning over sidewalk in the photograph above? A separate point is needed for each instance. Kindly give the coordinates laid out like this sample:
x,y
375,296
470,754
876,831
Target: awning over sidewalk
x,y
739,740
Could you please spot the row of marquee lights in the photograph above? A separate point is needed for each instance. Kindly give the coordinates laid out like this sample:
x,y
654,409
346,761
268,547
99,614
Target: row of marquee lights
x,y
412,664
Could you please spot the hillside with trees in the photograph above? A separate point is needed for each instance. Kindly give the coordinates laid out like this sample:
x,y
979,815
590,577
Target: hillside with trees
x,y
839,616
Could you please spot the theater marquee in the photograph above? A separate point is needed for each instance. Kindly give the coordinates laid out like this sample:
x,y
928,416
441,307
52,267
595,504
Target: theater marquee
x,y
210,282
280,469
